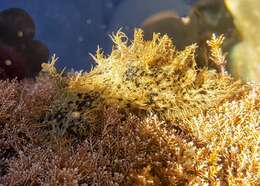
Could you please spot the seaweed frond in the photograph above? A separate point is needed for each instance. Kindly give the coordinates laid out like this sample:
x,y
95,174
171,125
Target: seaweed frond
x,y
50,67
216,54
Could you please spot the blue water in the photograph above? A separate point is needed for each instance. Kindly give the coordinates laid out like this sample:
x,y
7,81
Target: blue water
x,y
73,28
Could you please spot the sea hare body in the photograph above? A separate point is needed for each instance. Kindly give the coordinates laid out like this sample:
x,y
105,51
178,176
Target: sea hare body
x,y
154,76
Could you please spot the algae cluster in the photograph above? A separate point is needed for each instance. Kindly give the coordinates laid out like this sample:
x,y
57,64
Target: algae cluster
x,y
145,115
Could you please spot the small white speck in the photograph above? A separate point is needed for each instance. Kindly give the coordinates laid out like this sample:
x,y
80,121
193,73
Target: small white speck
x,y
20,33
88,21
75,115
8,62
80,39
185,20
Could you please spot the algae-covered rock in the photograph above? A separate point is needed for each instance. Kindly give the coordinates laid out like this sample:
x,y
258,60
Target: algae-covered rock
x,y
246,55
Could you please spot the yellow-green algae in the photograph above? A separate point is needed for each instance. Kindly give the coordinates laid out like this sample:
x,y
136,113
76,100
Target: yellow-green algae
x,y
246,55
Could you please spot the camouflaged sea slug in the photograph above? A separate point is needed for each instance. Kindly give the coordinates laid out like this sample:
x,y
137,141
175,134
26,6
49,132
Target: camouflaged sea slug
x,y
154,76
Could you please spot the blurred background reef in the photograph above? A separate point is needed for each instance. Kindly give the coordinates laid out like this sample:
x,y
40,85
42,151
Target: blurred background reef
x,y
89,23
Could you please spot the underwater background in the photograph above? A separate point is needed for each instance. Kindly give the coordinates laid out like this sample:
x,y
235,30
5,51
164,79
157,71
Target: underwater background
x,y
73,29
174,102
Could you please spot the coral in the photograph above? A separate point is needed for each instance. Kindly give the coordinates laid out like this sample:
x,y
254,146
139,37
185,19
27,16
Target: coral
x,y
21,103
146,115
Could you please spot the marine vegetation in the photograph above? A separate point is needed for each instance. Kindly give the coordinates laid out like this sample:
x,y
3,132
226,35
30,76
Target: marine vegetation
x,y
145,115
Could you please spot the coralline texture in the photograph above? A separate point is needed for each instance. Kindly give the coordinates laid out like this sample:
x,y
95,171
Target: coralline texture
x,y
246,55
154,76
